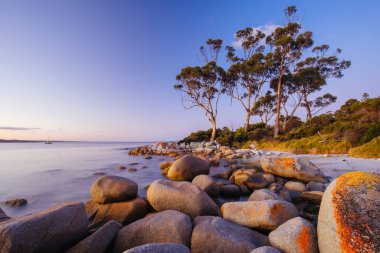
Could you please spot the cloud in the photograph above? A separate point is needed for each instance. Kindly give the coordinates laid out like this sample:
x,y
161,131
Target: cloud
x,y
267,29
18,128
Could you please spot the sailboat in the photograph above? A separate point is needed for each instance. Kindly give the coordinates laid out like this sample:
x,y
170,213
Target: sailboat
x,y
48,141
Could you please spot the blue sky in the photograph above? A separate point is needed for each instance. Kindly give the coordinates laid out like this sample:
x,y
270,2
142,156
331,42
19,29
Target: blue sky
x,y
104,70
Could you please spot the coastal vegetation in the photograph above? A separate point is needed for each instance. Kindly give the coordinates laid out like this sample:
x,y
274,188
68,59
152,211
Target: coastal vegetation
x,y
273,76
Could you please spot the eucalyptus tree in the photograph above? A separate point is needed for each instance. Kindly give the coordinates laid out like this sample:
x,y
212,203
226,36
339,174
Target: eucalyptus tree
x,y
249,72
312,74
265,107
288,44
202,86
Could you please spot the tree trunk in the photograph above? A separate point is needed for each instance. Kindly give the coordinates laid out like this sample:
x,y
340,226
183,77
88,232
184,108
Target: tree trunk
x,y
213,133
278,108
247,119
307,107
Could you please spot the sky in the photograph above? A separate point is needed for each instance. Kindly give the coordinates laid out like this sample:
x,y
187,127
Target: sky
x,y
104,70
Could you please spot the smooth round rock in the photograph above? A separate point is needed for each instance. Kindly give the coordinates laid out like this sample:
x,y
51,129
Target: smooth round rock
x,y
160,248
265,249
183,196
297,235
207,184
348,219
188,167
264,194
230,191
264,215
295,186
110,189
312,197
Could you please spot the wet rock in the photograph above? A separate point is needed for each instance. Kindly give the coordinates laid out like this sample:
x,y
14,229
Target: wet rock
x,y
160,248
164,227
264,215
3,216
99,241
315,186
188,167
348,219
264,194
265,249
181,196
214,234
51,230
292,167
147,157
16,202
121,167
295,186
225,174
122,212
230,191
109,189
295,236
132,169
312,197
249,178
166,165
207,184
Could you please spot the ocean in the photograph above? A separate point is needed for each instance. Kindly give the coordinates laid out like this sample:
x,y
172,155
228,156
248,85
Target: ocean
x,y
47,175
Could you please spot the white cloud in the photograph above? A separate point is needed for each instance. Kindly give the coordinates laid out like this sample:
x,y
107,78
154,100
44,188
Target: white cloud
x,y
267,29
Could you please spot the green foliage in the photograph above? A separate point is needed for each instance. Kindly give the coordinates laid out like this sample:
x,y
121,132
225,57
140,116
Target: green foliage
x,y
372,132
367,150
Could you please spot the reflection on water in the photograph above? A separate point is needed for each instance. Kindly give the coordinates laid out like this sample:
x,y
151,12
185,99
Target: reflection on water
x,y
47,175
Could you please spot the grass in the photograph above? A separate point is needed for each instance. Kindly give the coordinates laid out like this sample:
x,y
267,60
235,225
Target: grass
x,y
368,150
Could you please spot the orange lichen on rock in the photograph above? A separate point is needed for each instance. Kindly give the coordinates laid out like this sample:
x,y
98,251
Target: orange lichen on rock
x,y
288,162
355,201
304,239
276,208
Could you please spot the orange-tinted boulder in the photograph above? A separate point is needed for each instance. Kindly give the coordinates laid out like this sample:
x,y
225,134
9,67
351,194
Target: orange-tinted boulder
x,y
188,167
349,217
292,167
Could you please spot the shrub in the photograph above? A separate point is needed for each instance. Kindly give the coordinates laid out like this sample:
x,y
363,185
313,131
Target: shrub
x,y
368,150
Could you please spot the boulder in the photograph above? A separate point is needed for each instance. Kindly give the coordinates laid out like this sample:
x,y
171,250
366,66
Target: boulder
x,y
292,167
99,241
249,178
295,186
295,236
52,230
109,189
181,196
160,248
348,219
164,227
214,234
230,191
312,197
207,184
264,194
166,164
122,212
188,167
269,177
91,208
16,202
265,249
264,215
315,186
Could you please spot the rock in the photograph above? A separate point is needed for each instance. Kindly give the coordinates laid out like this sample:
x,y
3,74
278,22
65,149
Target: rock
x,y
91,208
292,167
132,169
264,215
276,188
147,157
109,189
263,194
215,160
188,167
52,230
160,248
3,216
295,236
99,241
244,190
315,186
269,177
166,165
312,197
248,177
295,186
16,202
207,184
165,171
121,167
164,227
265,249
181,196
230,191
225,174
214,234
348,219
122,212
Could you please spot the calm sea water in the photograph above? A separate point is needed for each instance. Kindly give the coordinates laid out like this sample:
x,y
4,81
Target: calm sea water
x,y
47,175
